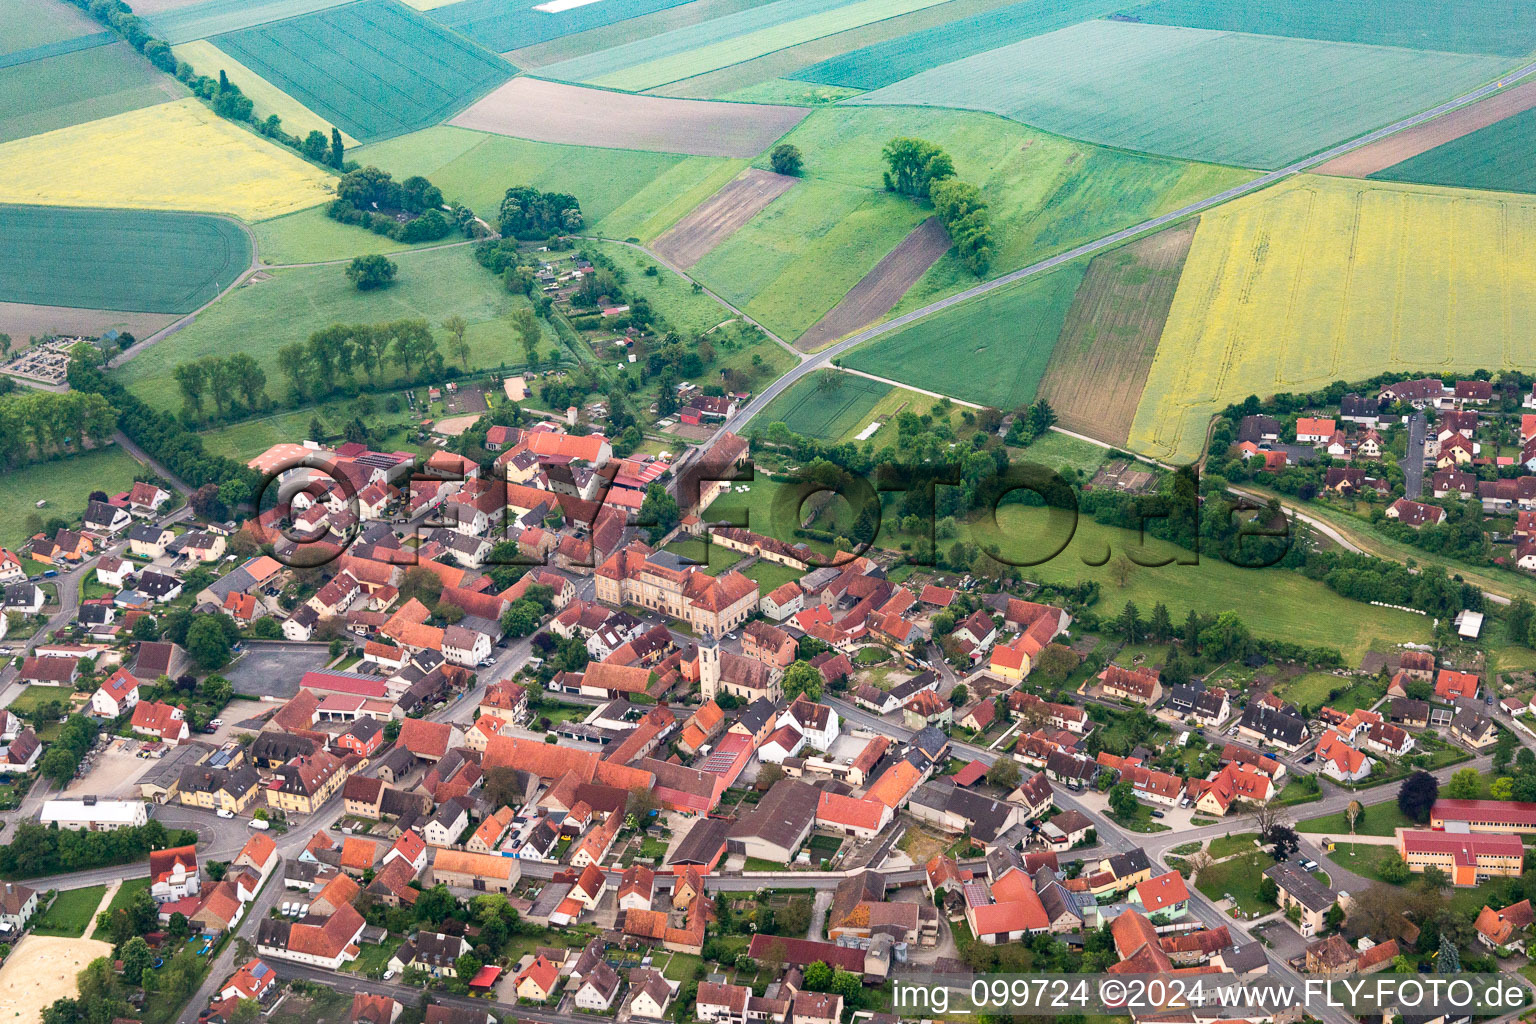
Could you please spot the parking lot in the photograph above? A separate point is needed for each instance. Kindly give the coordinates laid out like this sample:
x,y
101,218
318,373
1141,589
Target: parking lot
x,y
115,769
273,670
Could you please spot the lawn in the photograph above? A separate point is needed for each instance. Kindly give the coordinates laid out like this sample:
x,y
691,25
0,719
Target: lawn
x,y
1321,268
503,25
1383,819
184,157
73,88
136,260
374,958
1311,690
263,315
1223,97
1141,821
885,63
769,576
1226,846
1489,158
64,485
71,912
1364,859
623,193
992,350
1065,454
309,236
30,699
827,404
1240,877
375,69
1503,27
715,557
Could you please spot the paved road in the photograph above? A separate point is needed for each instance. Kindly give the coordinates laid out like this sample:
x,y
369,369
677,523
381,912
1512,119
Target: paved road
x,y
1413,460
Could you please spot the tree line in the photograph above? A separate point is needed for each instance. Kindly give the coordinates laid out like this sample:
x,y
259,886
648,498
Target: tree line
x,y
42,850
921,170
227,380
36,425
317,367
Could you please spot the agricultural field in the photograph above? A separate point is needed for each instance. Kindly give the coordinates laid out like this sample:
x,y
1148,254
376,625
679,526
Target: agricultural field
x,y
268,99
184,22
28,26
175,156
1221,97
879,290
73,88
309,236
738,81
58,484
1340,280
272,309
1100,363
885,63
134,260
529,108
1489,158
827,404
1424,138
992,349
725,41
503,25
719,216
23,320
623,193
375,69
1505,28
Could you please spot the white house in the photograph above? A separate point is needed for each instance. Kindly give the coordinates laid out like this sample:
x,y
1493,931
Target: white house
x,y
116,696
818,723
112,571
786,741
467,647
17,905
598,989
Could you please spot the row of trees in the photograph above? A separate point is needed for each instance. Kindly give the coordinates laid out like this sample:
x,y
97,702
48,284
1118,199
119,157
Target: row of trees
x,y
227,380
921,170
165,438
316,368
35,425
40,850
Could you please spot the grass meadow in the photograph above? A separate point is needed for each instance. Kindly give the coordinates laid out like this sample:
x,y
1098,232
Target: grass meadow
x,y
63,484
816,408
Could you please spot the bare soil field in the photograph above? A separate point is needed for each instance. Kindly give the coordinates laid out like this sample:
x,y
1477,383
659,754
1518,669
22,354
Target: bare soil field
x,y
22,320
1099,366
1394,149
42,969
528,108
144,8
716,218
880,289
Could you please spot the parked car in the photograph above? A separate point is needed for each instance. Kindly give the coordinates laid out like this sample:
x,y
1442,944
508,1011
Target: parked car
x,y
225,813
259,825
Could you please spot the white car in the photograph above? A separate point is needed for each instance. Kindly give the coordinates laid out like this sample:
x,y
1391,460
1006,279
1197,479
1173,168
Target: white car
x,y
388,975
224,813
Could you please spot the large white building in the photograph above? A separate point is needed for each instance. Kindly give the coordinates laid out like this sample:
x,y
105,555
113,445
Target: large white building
x,y
92,815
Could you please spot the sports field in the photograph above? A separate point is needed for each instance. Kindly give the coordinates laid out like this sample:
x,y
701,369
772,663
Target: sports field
x,y
288,305
991,350
1496,157
1223,97
27,24
176,156
826,404
73,88
375,69
207,18
1100,363
503,25
268,99
135,260
1324,279
1503,27
530,108
881,64
622,192
724,41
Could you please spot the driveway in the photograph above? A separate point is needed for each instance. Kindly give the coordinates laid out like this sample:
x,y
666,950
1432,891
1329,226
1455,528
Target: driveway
x,y
1413,459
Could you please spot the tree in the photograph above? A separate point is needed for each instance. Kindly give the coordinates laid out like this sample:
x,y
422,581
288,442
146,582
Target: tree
x,y
659,512
208,644
959,695
1128,623
338,151
1417,795
1503,750
1284,840
785,159
458,346
59,765
1352,813
1502,788
913,165
1395,870
206,504
1122,800
1448,959
1269,891
137,957
817,976
802,677
1465,784
1160,626
1004,773
371,271
315,146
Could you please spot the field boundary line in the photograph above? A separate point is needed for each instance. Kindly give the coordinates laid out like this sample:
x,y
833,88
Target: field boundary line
x,y
907,387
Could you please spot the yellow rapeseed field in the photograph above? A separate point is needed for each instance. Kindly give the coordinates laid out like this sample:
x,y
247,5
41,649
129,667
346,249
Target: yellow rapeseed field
x,y
1324,279
174,156
297,119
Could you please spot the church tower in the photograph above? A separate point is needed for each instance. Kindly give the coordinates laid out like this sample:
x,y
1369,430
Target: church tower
x,y
709,666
